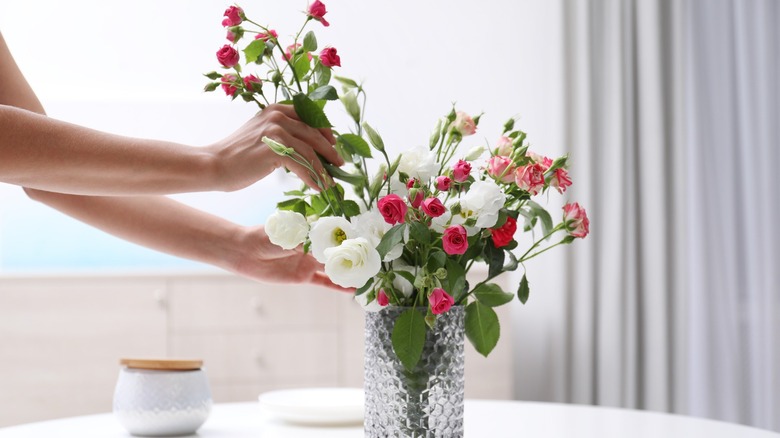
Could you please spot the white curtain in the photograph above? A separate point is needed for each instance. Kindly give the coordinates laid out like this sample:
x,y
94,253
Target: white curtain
x,y
671,118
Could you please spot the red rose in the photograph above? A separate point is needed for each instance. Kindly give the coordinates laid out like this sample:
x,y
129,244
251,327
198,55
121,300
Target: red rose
x,y
266,36
443,183
233,16
505,234
252,83
461,171
227,56
440,301
455,240
317,11
381,298
329,58
393,209
433,207
229,84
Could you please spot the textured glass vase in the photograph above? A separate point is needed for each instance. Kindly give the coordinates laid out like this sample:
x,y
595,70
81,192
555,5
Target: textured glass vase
x,y
426,402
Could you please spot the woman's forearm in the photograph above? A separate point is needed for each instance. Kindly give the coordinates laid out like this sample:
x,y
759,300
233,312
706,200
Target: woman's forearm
x,y
158,223
47,154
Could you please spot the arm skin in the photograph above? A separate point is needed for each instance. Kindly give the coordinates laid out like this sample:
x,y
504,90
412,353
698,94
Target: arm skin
x,y
58,163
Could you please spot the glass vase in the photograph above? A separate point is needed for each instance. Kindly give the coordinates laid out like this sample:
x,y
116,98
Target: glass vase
x,y
426,402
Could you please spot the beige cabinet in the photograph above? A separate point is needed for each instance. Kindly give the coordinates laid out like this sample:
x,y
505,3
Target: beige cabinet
x,y
61,339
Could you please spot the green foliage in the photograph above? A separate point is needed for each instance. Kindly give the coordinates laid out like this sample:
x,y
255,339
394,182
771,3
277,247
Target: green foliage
x,y
374,137
482,327
408,337
309,112
254,50
523,291
325,92
491,294
309,42
355,145
392,237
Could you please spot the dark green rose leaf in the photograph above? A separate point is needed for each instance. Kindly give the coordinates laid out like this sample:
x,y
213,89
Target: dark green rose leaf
x,y
523,291
309,112
326,92
356,144
482,327
310,42
392,237
409,337
491,294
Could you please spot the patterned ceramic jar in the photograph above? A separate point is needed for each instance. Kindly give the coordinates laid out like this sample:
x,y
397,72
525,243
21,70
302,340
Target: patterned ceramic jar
x,y
162,397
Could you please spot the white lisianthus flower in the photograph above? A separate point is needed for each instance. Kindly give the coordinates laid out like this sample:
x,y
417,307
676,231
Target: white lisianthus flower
x,y
441,223
400,283
419,163
352,263
483,201
475,153
372,227
329,232
287,229
372,306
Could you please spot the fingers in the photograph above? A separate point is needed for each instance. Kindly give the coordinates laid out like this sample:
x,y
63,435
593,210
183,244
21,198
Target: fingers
x,y
320,279
308,154
321,140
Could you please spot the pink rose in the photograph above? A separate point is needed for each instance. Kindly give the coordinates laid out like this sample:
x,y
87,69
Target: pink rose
x,y
455,240
266,36
506,233
329,58
227,56
317,11
290,51
464,124
530,178
393,209
440,301
504,146
560,180
226,22
461,171
575,220
253,83
502,168
381,298
433,207
443,183
233,16
229,84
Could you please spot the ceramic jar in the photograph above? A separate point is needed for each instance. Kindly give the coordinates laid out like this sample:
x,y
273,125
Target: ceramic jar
x,y
162,397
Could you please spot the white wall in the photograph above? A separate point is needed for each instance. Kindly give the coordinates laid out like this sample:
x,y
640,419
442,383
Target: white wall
x,y
135,68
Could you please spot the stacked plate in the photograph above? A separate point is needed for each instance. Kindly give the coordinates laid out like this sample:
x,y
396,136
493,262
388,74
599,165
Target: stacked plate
x,y
315,406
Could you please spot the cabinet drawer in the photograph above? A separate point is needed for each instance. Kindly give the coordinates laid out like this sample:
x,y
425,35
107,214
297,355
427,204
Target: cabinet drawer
x,y
268,357
238,304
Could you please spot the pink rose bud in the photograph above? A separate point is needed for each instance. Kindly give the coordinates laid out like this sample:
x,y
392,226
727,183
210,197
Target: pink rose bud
x,y
225,22
329,58
530,178
252,83
317,11
576,220
234,34
443,183
290,51
266,36
234,16
381,298
461,171
501,168
229,84
410,183
455,240
393,209
464,124
504,146
433,207
440,301
416,197
227,56
560,180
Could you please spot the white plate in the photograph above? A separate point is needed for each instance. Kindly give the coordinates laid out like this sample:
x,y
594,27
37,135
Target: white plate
x,y
315,406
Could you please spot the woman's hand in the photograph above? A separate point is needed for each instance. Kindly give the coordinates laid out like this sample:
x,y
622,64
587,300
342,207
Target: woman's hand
x,y
242,158
262,260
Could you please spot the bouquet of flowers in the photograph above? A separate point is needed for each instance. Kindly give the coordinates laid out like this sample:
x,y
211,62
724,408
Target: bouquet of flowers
x,y
413,225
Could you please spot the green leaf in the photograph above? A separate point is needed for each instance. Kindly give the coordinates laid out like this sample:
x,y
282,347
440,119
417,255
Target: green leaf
x,y
310,42
391,238
323,76
356,144
253,50
295,193
456,280
347,82
351,208
495,258
301,65
213,75
347,177
419,232
406,275
374,137
325,92
491,294
543,215
482,327
437,259
309,112
409,337
363,289
523,291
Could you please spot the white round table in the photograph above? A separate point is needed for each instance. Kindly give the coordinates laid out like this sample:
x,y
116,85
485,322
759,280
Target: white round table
x,y
495,419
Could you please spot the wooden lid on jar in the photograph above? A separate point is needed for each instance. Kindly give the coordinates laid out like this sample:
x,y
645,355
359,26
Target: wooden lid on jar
x,y
163,364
